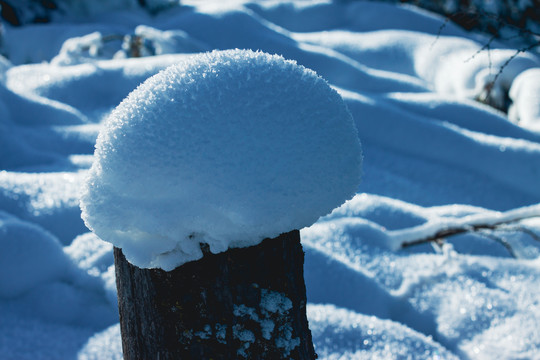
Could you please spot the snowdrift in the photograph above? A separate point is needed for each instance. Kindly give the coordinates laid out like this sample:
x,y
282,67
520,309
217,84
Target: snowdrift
x,y
433,156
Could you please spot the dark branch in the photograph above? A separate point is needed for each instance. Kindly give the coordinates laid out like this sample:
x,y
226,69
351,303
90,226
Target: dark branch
x,y
500,240
507,223
444,233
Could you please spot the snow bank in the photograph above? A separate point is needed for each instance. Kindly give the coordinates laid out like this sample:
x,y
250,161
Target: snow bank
x,y
525,96
38,280
30,338
226,148
356,336
50,200
27,129
143,41
46,44
389,224
78,50
104,345
468,303
30,256
81,86
509,161
156,42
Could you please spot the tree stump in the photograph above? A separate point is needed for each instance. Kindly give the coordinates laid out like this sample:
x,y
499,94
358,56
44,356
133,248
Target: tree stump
x,y
246,303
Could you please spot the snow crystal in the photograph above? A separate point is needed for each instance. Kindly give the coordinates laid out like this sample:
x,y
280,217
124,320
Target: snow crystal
x,y
226,148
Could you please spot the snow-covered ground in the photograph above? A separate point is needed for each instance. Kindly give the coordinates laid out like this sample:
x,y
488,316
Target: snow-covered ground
x,y
433,158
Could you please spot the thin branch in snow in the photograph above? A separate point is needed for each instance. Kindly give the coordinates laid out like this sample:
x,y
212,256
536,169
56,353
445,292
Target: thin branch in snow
x,y
486,46
518,51
529,232
481,224
112,37
521,228
439,32
486,96
444,233
500,240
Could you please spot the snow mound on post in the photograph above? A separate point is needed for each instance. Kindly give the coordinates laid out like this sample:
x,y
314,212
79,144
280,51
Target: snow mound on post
x,y
225,149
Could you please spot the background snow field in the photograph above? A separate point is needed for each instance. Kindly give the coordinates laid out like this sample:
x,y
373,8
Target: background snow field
x,y
433,157
219,149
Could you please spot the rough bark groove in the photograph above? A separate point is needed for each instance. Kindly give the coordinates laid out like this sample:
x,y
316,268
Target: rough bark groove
x,y
243,303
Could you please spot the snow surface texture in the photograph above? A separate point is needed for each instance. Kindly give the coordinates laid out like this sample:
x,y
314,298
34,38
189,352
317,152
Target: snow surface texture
x,y
432,158
525,108
219,149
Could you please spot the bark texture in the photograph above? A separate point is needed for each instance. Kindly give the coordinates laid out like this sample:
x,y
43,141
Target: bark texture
x,y
247,303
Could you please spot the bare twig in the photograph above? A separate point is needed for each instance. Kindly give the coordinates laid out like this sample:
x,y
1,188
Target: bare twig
x,y
487,46
112,37
439,32
444,233
500,240
518,51
506,222
490,85
521,228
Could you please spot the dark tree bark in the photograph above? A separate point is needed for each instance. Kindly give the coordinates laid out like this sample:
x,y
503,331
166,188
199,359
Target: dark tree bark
x,y
22,12
244,303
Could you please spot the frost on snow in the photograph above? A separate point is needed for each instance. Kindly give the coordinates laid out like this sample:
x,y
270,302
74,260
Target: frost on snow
x,y
226,148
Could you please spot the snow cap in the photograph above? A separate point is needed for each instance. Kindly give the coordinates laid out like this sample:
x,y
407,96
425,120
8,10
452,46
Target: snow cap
x,y
226,148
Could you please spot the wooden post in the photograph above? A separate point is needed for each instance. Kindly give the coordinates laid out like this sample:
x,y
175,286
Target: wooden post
x,y
246,303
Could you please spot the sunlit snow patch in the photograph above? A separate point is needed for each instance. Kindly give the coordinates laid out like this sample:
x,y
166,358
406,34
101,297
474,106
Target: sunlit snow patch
x,y
342,334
